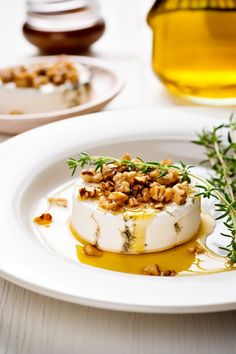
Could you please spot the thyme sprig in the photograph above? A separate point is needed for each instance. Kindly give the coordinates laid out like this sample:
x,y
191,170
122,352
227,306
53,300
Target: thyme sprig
x,y
220,151
99,161
222,186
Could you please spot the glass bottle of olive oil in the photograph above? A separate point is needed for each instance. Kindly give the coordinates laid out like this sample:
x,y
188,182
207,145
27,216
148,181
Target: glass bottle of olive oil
x,y
194,48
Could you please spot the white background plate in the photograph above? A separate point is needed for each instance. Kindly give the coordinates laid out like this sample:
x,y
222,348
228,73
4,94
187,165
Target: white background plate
x,y
34,162
106,84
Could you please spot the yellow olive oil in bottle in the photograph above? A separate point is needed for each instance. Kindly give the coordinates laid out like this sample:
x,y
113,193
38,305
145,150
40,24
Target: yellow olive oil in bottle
x,y
194,48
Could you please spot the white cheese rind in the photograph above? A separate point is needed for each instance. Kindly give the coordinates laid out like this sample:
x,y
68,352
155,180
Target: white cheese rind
x,y
135,232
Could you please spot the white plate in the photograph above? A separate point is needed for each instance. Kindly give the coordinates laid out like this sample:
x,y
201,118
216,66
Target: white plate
x,y
106,84
34,163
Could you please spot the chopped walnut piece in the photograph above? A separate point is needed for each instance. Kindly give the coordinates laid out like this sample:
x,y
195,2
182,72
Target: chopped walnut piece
x,y
154,174
154,192
36,75
107,187
89,192
39,81
169,193
139,197
166,162
60,202
118,197
91,176
129,175
109,171
170,178
133,202
146,195
157,193
168,273
25,79
6,76
180,193
124,187
106,204
197,249
137,187
90,250
151,269
44,219
118,178
58,79
126,157
141,179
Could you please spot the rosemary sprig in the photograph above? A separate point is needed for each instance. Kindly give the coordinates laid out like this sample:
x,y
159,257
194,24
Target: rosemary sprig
x,y
220,153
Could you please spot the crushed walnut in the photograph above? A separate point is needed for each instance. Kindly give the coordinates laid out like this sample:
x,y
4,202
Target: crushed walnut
x,y
154,270
196,249
118,187
36,75
44,219
90,250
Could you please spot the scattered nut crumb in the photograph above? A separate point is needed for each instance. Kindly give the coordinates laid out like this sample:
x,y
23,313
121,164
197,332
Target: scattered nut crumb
x,y
197,249
154,270
90,250
44,219
151,269
168,273
60,202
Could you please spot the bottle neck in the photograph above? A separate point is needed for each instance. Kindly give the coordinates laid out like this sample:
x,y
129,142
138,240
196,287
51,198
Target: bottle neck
x,y
173,5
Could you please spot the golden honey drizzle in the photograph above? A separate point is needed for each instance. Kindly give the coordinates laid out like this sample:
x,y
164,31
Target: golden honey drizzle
x,y
138,241
178,258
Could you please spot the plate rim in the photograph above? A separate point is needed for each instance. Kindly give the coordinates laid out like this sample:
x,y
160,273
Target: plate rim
x,y
58,127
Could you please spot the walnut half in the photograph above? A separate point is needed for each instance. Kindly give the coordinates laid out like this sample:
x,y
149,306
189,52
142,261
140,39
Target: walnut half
x,y
44,219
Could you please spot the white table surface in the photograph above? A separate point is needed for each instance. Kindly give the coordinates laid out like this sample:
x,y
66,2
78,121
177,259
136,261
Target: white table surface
x,y
31,323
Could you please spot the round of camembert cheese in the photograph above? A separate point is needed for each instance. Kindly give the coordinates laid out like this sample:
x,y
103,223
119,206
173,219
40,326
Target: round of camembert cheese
x,y
134,230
